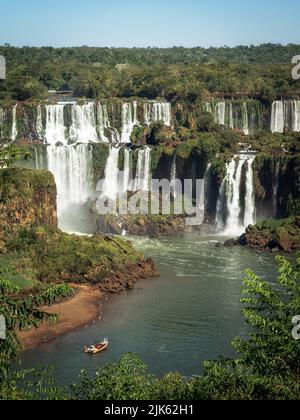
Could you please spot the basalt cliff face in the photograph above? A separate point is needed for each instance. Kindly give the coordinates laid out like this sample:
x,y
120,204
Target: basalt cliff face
x,y
27,198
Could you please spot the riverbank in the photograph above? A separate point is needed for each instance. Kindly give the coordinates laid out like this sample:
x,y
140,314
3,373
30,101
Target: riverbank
x,y
80,311
85,308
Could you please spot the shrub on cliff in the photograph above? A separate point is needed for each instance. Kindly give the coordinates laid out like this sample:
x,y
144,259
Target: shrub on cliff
x,y
57,256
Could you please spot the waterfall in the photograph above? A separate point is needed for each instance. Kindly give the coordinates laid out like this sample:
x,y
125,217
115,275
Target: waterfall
x,y
158,111
295,115
235,115
220,116
55,132
110,187
39,123
129,121
173,176
207,180
245,120
39,159
233,196
14,129
285,115
102,122
127,173
72,169
143,171
83,128
249,217
230,218
277,117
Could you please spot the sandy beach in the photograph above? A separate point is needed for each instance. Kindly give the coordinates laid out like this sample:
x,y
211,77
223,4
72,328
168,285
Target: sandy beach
x,y
80,311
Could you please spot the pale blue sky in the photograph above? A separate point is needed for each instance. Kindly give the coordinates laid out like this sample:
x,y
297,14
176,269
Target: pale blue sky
x,y
159,23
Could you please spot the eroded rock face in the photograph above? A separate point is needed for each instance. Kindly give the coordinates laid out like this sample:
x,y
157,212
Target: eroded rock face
x,y
153,226
281,235
27,198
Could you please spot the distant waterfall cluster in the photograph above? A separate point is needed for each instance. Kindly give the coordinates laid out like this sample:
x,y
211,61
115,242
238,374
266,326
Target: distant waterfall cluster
x,y
243,116
114,122
285,116
90,123
236,202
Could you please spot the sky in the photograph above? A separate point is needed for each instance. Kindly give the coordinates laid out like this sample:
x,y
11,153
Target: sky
x,y
148,23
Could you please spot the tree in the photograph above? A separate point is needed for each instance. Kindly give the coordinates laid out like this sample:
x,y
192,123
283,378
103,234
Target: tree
x,y
10,154
21,313
269,366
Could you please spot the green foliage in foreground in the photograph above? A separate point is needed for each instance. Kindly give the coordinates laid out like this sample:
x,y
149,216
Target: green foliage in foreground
x,y
11,154
21,313
268,367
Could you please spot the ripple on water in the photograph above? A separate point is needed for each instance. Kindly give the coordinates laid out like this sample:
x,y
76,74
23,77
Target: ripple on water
x,y
175,322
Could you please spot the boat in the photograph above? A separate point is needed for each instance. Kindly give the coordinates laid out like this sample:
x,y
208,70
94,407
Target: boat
x,y
97,348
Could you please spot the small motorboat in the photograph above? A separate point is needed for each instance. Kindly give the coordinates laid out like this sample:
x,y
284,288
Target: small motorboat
x,y
97,348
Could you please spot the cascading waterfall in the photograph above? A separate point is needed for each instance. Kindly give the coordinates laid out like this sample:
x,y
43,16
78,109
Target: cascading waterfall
x,y
127,173
55,132
103,122
277,117
243,116
110,187
39,159
158,111
72,169
220,116
143,171
207,180
230,218
173,176
129,121
285,115
245,120
14,129
83,128
249,217
39,124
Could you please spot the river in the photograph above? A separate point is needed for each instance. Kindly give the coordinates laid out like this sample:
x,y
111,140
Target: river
x,y
188,315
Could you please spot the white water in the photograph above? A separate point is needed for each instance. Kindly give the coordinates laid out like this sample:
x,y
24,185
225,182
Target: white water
x,y
158,111
72,169
129,121
127,173
285,115
110,187
173,176
245,120
143,172
55,132
229,116
249,217
14,129
39,124
83,128
220,116
229,202
103,122
207,177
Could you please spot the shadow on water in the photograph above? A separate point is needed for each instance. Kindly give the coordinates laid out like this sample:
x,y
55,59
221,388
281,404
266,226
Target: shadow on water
x,y
189,314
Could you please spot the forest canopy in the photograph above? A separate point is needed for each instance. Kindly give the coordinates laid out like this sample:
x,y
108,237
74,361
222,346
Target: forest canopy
x,y
173,73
